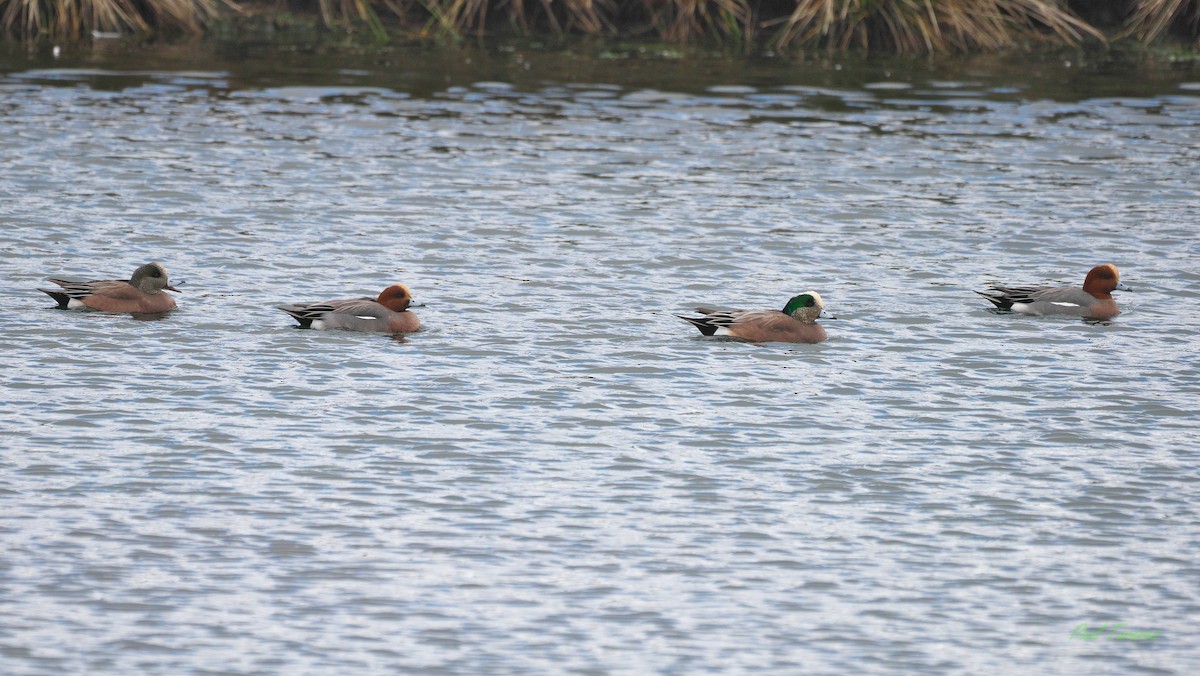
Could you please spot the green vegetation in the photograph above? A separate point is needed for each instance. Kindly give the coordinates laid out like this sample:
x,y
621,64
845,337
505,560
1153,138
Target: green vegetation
x,y
906,26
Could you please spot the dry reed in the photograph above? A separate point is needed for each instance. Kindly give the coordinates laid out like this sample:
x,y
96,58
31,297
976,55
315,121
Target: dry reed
x,y
1152,18
913,26
907,26
71,19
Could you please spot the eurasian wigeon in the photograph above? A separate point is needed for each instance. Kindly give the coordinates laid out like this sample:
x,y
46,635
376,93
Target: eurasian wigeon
x,y
386,314
797,323
1094,300
141,293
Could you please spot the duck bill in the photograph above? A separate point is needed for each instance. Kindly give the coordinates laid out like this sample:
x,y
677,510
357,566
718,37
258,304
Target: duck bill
x,y
1121,287
171,288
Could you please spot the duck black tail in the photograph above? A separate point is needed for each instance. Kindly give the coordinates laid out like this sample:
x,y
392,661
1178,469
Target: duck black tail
x,y
59,297
1001,303
700,323
297,313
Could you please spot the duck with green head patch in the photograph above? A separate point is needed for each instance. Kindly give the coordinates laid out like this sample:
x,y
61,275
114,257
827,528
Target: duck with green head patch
x,y
796,323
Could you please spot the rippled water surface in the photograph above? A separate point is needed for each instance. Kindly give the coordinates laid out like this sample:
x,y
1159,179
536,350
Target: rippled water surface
x,y
556,474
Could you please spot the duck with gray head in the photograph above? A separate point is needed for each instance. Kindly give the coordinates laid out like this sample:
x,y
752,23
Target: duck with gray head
x,y
142,293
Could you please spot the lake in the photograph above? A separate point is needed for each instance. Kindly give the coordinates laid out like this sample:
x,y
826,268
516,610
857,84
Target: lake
x,y
557,475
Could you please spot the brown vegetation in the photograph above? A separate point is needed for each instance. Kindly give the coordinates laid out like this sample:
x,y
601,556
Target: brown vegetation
x,y
909,26
1151,18
72,19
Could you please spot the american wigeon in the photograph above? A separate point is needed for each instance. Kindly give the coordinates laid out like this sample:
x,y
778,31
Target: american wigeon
x,y
1094,300
141,293
386,314
795,324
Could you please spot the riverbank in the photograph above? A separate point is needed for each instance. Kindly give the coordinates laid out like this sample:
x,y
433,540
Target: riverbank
x,y
242,61
746,26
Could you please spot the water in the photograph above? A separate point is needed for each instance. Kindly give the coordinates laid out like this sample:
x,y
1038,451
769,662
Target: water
x,y
557,475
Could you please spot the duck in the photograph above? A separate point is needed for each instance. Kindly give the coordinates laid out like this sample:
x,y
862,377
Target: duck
x,y
1094,300
387,313
142,293
796,323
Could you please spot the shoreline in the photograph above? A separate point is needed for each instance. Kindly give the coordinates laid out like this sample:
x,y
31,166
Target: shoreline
x,y
733,27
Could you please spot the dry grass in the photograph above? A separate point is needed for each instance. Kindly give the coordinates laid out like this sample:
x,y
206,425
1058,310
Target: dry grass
x,y
346,14
473,17
71,19
907,26
689,20
1151,18
915,26
904,25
